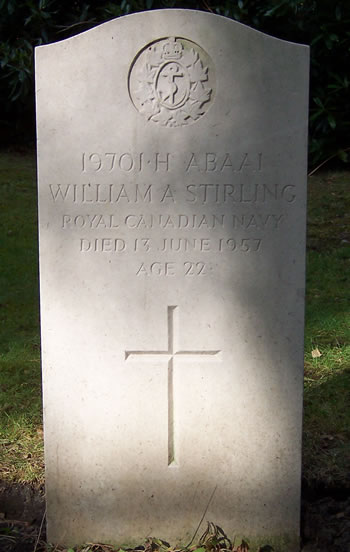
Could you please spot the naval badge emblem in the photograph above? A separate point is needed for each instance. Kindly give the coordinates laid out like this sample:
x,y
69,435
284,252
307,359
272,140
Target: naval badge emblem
x,y
171,83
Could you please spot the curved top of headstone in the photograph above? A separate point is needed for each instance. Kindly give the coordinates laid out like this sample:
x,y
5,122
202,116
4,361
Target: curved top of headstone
x,y
172,67
186,17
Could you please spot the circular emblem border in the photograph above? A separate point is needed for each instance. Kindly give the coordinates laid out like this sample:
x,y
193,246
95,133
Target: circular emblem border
x,y
171,81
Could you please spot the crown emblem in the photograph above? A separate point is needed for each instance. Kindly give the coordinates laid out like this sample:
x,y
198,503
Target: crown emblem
x,y
172,49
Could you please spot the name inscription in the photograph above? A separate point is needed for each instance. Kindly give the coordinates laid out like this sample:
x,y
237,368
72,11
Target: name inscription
x,y
202,194
133,180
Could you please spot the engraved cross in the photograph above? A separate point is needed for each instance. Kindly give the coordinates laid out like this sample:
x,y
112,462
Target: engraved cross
x,y
173,352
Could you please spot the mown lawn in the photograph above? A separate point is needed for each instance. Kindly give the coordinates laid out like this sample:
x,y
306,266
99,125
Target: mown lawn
x,y
21,448
327,340
327,337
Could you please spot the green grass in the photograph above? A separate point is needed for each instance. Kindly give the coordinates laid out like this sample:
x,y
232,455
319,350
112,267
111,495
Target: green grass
x,y
21,449
327,377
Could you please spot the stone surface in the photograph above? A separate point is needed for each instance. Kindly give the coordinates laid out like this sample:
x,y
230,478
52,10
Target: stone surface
x,y
172,176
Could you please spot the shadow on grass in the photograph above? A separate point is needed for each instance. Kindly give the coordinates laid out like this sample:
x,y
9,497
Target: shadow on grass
x,y
326,450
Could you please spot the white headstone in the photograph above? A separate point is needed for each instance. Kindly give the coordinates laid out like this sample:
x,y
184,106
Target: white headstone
x,y
172,177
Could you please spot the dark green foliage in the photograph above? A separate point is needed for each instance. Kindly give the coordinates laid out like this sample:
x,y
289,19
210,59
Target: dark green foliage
x,y
325,26
322,24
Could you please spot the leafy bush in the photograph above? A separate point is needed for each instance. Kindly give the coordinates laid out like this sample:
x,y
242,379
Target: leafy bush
x,y
324,25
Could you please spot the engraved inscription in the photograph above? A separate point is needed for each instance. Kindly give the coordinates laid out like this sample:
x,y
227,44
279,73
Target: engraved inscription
x,y
168,222
129,210
171,82
157,269
170,245
124,162
202,194
156,162
172,353
213,162
171,268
